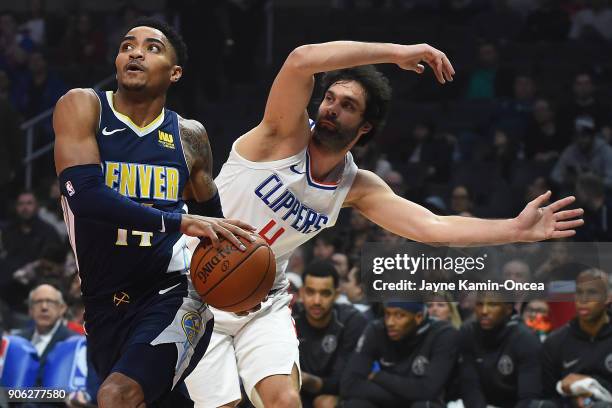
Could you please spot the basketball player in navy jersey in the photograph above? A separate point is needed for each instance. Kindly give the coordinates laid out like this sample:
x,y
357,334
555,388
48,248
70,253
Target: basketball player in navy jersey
x,y
126,167
294,176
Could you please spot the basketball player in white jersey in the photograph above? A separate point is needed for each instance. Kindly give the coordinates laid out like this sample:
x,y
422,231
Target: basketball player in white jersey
x,y
289,178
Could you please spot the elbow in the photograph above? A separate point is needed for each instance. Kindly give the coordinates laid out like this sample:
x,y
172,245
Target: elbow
x,y
298,58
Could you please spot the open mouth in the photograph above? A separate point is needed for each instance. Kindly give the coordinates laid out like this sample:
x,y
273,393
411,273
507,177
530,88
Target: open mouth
x,y
134,67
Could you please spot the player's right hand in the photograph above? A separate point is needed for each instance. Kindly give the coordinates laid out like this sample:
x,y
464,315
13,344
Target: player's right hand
x,y
411,56
210,227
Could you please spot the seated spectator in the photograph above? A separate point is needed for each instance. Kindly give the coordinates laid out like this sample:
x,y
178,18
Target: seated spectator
x,y
545,138
536,315
328,333
325,245
489,80
47,309
342,264
547,23
588,154
403,360
499,358
513,114
590,195
461,201
353,289
24,239
441,306
593,23
577,359
584,103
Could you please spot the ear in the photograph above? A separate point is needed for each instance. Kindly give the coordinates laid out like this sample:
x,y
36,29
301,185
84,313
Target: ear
x,y
176,73
418,318
365,128
301,293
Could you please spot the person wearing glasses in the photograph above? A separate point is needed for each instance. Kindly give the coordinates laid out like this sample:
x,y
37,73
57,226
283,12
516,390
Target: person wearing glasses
x,y
47,309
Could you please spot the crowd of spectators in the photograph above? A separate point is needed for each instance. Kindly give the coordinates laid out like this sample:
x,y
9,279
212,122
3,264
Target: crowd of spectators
x,y
530,110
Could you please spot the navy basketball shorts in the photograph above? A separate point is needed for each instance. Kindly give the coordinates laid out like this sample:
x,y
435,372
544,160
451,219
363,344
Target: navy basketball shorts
x,y
156,338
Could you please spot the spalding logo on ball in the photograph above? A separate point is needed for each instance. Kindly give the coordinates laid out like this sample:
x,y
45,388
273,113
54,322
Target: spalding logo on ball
x,y
230,279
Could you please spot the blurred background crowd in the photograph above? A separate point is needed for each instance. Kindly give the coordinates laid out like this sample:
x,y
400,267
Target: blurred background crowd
x,y
530,110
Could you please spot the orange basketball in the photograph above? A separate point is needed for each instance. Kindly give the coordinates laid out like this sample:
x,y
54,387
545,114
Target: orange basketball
x,y
230,279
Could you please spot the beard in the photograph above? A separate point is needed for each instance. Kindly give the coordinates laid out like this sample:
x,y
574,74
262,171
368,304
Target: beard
x,y
333,140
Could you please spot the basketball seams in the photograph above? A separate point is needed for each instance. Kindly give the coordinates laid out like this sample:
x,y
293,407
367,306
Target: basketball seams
x,y
258,284
233,269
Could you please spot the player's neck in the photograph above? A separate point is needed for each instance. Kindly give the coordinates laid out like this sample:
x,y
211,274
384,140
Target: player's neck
x,y
322,161
319,324
141,108
592,328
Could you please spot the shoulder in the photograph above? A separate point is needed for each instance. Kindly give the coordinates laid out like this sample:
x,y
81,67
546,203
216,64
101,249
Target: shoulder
x,y
193,133
191,126
365,183
443,330
348,314
78,105
557,337
526,339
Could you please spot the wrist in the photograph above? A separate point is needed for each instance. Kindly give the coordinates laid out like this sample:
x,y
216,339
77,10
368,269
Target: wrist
x,y
171,222
512,228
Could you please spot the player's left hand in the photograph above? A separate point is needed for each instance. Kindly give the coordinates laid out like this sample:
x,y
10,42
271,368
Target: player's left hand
x,y
412,55
537,222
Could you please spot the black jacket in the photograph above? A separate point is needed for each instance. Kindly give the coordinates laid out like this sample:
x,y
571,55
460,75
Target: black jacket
x,y
570,350
413,369
325,352
500,367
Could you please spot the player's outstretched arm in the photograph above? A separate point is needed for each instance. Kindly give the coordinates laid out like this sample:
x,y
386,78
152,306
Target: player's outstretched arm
x,y
77,163
284,130
200,191
376,201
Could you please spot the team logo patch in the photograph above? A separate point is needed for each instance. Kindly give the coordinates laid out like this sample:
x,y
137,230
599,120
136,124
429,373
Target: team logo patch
x,y
419,365
329,343
192,325
505,365
166,140
70,189
608,362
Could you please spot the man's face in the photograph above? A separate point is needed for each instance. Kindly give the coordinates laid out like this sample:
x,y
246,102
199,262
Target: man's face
x,y
350,287
46,308
583,86
524,88
323,249
584,141
542,112
318,295
340,117
146,59
400,323
492,313
341,264
591,299
26,206
517,271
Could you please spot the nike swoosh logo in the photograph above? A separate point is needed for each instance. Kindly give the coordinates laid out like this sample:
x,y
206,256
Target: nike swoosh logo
x,y
110,132
568,364
161,292
385,363
293,169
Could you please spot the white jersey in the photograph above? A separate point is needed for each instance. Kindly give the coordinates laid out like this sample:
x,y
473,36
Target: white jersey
x,y
282,200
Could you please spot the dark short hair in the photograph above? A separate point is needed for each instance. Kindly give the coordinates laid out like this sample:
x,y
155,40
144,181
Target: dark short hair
x,y
321,269
377,90
175,39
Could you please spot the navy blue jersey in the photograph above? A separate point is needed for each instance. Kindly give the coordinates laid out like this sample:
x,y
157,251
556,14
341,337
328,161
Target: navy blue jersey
x,y
146,164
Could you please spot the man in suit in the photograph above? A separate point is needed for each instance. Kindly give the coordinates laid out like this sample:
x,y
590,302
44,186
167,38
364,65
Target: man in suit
x,y
47,309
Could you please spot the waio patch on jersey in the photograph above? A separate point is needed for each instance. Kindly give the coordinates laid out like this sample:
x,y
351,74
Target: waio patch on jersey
x,y
165,139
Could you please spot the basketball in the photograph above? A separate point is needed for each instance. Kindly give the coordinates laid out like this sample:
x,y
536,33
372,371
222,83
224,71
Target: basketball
x,y
230,279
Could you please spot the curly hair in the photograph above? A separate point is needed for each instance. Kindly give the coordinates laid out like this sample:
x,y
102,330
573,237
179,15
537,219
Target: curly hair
x,y
175,39
377,90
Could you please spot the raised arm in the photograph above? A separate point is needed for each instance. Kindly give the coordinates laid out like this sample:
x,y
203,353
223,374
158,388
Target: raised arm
x,y
77,163
200,191
371,196
284,129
